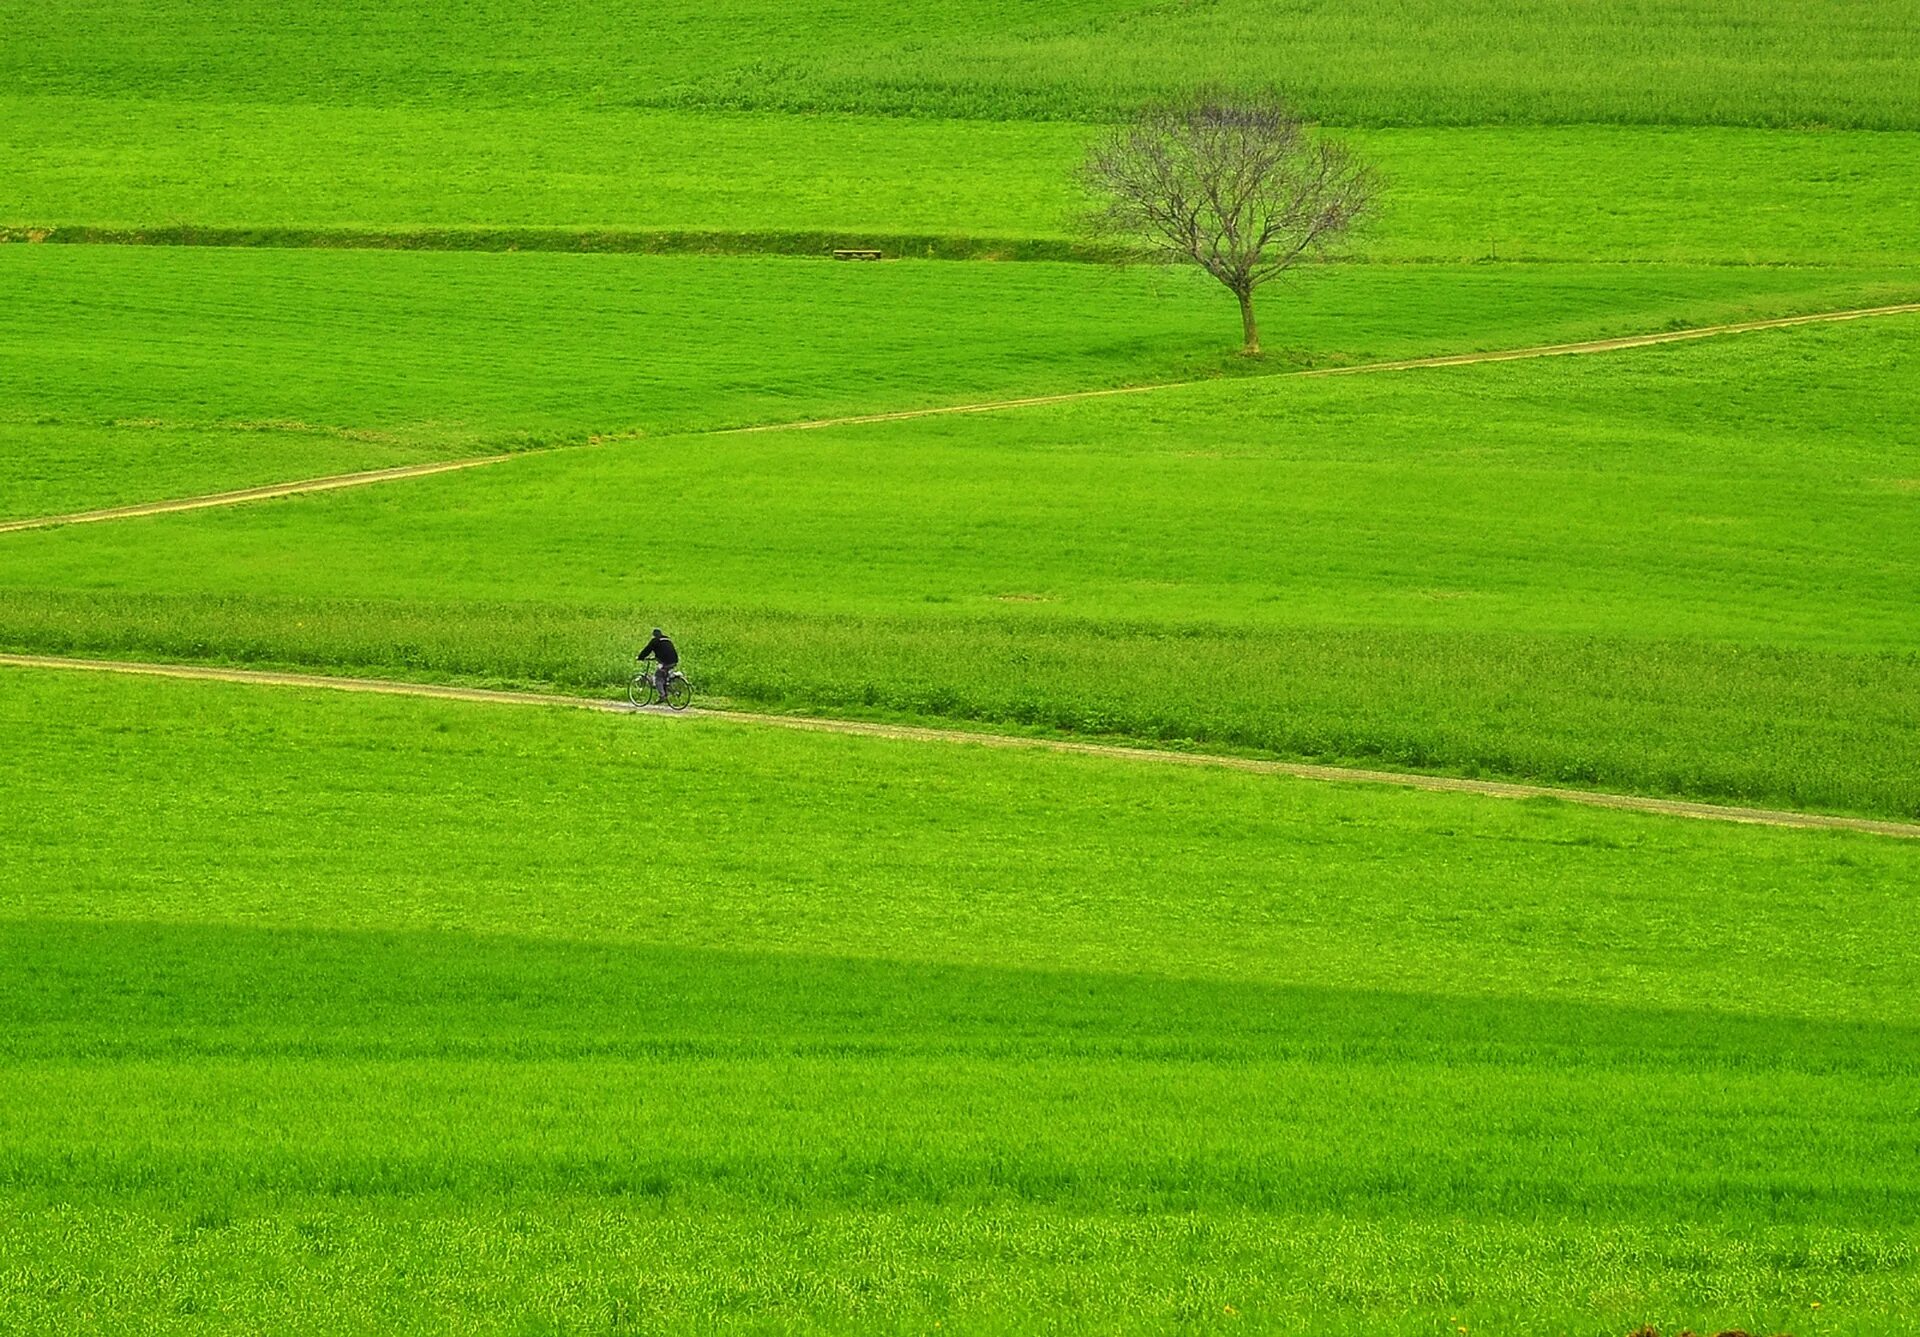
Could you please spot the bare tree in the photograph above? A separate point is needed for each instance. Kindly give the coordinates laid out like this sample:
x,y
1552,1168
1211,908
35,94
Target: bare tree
x,y
1238,186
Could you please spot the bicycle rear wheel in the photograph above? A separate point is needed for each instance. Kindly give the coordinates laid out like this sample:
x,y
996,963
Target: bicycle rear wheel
x,y
640,690
679,693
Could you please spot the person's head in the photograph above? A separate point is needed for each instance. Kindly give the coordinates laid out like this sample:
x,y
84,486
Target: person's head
x,y
658,632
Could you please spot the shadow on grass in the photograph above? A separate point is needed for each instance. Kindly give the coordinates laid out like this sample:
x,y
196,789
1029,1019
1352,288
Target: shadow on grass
x,y
183,1060
131,990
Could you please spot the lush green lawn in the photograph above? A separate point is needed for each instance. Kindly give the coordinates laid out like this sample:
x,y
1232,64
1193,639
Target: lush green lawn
x,y
425,1016
1825,62
1686,569
128,369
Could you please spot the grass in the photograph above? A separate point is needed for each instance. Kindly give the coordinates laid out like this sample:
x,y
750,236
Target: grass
x,y
137,373
326,1013
443,355
1683,569
411,1018
1844,63
58,466
1385,63
634,177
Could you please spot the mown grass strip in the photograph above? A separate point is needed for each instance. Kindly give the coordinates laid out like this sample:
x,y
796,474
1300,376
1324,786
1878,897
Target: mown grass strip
x,y
924,734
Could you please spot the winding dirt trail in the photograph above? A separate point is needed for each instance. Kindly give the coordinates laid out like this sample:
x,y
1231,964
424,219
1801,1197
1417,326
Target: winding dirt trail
x,y
332,482
924,734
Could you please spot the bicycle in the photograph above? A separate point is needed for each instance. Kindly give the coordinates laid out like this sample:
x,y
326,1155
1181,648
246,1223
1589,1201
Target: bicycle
x,y
644,690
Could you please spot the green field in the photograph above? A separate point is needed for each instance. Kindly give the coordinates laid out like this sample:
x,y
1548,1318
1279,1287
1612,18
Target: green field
x,y
758,181
1840,63
754,127
418,1002
1686,570
326,1012
137,373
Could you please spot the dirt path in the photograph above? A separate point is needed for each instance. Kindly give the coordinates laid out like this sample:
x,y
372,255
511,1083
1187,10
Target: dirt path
x,y
1360,369
922,734
332,482
246,494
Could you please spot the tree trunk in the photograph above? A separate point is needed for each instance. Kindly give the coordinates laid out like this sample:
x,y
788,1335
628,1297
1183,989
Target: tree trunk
x,y
1252,348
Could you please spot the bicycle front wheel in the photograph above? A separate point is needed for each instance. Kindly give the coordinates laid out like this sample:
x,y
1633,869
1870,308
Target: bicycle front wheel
x,y
640,690
679,693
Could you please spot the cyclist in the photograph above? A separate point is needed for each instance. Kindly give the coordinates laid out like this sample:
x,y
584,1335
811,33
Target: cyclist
x,y
661,649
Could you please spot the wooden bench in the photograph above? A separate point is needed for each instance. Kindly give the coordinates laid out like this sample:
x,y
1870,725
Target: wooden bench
x,y
856,255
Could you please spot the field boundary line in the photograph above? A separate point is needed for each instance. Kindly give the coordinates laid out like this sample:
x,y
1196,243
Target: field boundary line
x,y
929,734
331,482
265,492
1618,344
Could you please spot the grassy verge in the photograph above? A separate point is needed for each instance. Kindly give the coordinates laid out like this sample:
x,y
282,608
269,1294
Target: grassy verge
x,y
415,1011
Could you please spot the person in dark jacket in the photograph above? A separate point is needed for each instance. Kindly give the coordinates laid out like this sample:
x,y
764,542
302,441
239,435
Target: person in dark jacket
x,y
660,649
